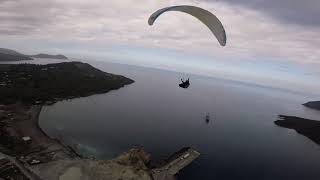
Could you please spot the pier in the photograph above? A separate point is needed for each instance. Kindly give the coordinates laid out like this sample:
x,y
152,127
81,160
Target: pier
x,y
180,160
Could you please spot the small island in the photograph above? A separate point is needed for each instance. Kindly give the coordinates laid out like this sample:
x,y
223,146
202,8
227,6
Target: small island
x,y
313,105
306,127
48,56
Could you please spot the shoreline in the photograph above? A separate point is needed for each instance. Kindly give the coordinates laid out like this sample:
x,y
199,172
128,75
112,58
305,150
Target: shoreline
x,y
24,144
30,152
21,124
39,156
25,90
42,157
312,105
58,141
306,127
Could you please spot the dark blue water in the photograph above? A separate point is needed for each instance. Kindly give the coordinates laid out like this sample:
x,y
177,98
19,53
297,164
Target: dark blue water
x,y
240,142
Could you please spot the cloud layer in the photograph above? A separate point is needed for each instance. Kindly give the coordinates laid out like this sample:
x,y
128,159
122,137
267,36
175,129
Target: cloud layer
x,y
277,29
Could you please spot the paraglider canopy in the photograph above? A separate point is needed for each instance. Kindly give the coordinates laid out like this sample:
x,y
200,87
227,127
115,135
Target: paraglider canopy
x,y
206,17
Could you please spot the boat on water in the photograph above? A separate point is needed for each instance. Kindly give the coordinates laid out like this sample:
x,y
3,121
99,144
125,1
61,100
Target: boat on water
x,y
207,117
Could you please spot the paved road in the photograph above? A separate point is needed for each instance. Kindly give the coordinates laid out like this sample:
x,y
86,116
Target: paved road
x,y
23,169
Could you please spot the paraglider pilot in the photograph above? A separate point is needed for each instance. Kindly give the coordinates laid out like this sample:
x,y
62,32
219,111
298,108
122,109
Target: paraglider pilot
x,y
184,84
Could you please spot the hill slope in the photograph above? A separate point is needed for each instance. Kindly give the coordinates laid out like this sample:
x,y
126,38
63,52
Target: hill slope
x,y
41,84
11,55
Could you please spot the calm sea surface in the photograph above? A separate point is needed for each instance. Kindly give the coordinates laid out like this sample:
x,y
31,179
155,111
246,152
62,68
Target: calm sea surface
x,y
240,141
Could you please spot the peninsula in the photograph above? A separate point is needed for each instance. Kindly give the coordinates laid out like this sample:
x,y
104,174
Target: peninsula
x,y
46,84
306,127
313,105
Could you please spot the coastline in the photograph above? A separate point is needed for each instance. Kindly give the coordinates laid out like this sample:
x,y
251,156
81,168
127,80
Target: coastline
x,y
43,157
31,154
25,89
28,141
313,105
25,144
305,127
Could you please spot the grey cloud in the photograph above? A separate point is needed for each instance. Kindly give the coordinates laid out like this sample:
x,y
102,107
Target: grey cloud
x,y
303,12
23,17
100,23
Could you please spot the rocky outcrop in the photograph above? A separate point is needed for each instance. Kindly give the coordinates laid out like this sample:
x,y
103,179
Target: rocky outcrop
x,y
130,165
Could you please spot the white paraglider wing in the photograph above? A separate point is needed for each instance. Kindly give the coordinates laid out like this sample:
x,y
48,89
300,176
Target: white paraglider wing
x,y
206,17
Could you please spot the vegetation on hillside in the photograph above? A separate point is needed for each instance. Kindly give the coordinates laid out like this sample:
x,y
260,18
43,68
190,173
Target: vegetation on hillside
x,y
42,84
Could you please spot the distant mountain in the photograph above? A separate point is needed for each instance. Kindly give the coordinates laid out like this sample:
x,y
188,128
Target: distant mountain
x,y
11,55
11,52
48,56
